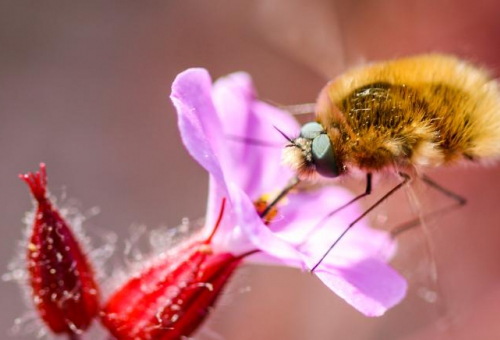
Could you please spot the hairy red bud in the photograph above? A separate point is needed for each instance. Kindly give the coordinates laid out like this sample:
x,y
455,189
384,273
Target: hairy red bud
x,y
171,298
62,280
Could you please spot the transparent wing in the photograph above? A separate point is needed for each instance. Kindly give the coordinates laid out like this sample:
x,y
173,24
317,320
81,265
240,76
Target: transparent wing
x,y
420,256
427,282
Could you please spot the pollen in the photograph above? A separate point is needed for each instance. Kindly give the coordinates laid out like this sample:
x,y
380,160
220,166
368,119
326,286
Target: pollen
x,y
262,203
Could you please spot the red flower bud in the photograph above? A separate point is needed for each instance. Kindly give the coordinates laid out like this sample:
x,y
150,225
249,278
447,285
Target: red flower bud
x,y
171,298
63,287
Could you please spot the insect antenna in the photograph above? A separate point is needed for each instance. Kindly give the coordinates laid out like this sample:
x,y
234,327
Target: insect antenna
x,y
284,135
292,142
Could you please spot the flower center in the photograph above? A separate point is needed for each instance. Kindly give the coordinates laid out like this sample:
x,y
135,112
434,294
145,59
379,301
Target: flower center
x,y
261,205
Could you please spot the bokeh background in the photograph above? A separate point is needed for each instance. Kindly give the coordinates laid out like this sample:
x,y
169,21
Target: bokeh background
x,y
84,87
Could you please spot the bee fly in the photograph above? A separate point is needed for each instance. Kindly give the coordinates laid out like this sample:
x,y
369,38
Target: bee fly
x,y
401,115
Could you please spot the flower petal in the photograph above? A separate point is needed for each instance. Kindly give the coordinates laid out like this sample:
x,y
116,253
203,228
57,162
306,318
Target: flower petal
x,y
304,222
258,233
197,119
253,146
359,277
229,236
371,286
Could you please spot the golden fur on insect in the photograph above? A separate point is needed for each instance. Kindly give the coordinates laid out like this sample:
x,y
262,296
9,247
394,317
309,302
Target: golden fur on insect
x,y
428,110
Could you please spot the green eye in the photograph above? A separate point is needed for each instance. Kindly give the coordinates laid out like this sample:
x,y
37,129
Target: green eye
x,y
311,130
323,157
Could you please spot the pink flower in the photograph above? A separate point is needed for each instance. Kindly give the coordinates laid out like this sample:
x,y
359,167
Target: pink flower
x,y
232,135
62,281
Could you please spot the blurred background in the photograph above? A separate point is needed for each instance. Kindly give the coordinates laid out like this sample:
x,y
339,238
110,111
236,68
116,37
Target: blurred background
x,y
84,87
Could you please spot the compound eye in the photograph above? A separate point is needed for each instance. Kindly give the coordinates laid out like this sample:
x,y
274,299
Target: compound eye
x,y
311,130
323,156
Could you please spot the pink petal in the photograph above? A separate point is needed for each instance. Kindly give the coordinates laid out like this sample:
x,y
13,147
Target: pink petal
x,y
258,233
253,146
301,213
359,277
370,286
198,122
303,221
216,193
229,236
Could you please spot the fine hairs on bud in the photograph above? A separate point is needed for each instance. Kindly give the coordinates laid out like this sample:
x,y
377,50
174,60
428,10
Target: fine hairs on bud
x,y
145,248
52,267
174,293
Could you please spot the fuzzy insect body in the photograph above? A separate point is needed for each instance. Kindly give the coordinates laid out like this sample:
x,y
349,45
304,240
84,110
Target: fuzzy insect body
x,y
428,110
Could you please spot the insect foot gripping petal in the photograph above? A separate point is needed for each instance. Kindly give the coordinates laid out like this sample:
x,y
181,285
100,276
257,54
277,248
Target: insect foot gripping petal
x,y
63,288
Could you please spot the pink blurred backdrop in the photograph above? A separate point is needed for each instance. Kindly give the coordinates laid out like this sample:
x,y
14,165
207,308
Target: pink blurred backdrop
x,y
84,87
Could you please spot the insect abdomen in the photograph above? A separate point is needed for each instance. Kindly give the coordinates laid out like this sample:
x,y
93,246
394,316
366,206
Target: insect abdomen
x,y
427,110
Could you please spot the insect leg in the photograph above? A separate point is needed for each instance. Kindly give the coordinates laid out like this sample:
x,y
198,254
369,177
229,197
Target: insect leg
x,y
300,109
367,192
459,202
406,179
297,109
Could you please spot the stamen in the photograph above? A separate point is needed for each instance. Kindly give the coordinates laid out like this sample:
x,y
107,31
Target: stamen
x,y
217,224
248,253
261,206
